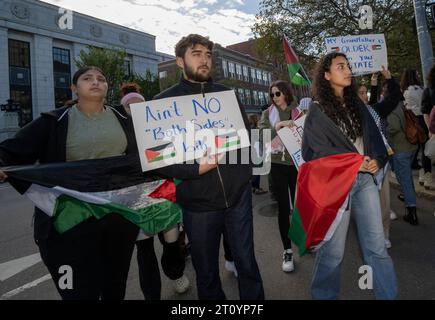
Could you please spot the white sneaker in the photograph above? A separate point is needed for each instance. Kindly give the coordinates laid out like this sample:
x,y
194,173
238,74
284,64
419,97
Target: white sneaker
x,y
287,261
421,176
388,243
181,284
230,266
393,215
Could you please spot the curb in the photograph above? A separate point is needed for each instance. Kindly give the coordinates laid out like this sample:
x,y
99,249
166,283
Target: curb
x,y
420,191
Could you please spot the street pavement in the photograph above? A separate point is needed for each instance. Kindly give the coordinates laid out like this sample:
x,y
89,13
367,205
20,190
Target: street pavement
x,y
413,253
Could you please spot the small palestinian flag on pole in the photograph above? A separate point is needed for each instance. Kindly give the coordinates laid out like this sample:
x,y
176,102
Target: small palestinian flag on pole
x,y
72,192
161,152
295,69
322,196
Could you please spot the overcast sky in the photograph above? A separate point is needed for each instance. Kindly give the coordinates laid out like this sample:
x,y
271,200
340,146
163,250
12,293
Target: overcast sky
x,y
224,21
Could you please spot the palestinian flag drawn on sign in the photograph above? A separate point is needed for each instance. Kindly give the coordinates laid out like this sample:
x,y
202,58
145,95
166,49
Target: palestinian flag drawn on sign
x,y
72,192
295,69
159,153
335,48
226,141
376,47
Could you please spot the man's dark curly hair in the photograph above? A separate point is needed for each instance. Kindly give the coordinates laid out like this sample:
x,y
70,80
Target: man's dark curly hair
x,y
348,117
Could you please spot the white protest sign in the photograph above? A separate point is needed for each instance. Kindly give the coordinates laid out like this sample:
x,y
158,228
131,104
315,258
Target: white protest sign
x,y
178,129
292,140
366,53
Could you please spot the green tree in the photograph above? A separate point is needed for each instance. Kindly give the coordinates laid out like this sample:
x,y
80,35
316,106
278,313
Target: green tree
x,y
307,23
149,84
171,79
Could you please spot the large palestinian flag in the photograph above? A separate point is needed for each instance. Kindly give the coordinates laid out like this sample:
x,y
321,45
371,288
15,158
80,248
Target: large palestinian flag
x,y
322,196
72,192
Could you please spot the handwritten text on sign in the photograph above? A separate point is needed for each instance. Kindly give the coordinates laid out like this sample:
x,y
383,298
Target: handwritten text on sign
x,y
366,53
178,129
292,140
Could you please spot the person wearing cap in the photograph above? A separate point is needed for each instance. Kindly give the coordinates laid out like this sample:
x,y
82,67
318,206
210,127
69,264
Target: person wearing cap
x,y
172,260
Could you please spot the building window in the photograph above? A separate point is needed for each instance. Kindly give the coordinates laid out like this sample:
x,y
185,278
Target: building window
x,y
266,97
20,85
255,96
61,76
248,96
163,74
225,68
241,95
265,78
259,77
231,70
253,75
261,98
127,69
239,71
245,73
270,77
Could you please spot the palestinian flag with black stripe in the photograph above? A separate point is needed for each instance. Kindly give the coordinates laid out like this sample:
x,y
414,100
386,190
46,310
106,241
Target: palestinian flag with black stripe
x,y
295,70
72,192
326,178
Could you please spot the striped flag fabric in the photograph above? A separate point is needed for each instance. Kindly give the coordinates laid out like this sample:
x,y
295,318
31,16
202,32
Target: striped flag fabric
x,y
322,196
295,69
72,192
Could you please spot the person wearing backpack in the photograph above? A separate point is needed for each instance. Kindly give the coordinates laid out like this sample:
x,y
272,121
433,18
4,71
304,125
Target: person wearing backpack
x,y
402,159
413,93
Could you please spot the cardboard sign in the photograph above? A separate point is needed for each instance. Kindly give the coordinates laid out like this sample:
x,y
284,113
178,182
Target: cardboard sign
x,y
366,53
292,140
178,129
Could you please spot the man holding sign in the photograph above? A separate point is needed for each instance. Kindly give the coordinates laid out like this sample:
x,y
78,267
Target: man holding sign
x,y
215,197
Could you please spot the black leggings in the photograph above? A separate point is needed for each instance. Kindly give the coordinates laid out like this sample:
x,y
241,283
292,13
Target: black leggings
x,y
98,253
283,178
172,262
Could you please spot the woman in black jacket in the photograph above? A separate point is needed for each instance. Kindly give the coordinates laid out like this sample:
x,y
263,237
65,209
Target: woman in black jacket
x,y
98,251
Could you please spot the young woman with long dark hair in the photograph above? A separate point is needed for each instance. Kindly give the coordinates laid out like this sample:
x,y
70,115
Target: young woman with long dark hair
x,y
338,123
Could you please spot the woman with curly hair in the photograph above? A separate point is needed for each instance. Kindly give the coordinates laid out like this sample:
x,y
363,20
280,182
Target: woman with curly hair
x,y
339,124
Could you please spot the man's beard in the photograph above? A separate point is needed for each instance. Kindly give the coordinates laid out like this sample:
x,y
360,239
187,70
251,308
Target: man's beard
x,y
196,76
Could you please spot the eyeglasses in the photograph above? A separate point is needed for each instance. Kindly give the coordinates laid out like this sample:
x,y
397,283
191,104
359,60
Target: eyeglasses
x,y
277,94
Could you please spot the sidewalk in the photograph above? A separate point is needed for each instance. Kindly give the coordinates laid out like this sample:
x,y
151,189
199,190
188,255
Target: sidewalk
x,y
420,190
